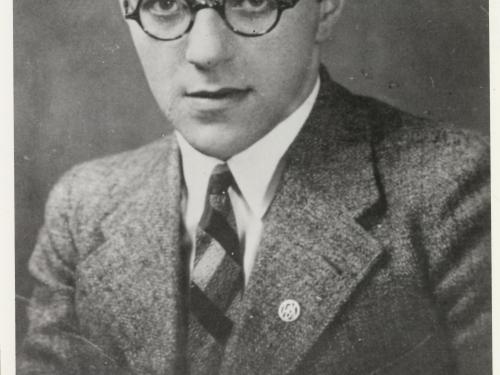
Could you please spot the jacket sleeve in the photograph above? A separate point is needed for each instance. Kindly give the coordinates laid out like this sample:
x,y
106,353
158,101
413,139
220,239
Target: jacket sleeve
x,y
457,221
53,343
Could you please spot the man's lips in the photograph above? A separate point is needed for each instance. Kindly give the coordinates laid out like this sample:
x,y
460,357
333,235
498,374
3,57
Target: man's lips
x,y
219,94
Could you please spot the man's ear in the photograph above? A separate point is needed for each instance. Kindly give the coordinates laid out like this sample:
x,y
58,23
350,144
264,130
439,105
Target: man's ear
x,y
329,13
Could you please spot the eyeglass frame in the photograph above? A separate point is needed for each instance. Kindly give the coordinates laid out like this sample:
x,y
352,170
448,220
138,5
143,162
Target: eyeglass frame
x,y
217,5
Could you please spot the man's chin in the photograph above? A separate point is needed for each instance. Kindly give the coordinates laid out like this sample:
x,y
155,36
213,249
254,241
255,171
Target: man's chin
x,y
215,139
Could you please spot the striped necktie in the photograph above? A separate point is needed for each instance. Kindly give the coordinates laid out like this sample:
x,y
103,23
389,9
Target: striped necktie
x,y
217,277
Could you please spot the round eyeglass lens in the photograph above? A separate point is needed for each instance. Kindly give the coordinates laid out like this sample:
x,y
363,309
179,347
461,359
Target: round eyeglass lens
x,y
251,17
165,19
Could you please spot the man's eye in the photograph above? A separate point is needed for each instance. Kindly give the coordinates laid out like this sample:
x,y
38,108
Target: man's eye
x,y
162,7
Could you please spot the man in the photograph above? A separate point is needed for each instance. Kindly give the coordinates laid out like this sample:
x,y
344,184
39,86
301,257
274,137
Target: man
x,y
286,227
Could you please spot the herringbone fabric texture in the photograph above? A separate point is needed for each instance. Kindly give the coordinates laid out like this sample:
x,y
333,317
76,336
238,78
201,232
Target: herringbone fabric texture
x,y
217,276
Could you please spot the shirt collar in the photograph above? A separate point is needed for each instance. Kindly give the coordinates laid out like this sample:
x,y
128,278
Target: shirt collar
x,y
253,168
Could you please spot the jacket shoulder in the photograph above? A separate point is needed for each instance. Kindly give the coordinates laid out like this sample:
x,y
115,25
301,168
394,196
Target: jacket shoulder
x,y
90,191
415,147
113,175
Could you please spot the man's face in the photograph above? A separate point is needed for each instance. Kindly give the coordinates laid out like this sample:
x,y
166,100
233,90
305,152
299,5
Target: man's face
x,y
223,91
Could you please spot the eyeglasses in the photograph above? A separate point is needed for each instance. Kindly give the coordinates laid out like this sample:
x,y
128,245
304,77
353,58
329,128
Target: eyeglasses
x,y
171,19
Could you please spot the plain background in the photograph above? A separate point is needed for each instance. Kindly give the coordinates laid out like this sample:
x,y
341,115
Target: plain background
x,y
80,92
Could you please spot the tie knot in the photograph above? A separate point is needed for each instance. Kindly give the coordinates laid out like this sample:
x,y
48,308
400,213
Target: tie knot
x,y
220,180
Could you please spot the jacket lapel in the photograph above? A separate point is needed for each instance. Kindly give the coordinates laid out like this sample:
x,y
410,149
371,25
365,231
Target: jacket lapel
x,y
313,250
143,270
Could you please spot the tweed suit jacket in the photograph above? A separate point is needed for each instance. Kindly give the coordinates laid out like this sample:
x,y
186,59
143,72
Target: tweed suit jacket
x,y
379,230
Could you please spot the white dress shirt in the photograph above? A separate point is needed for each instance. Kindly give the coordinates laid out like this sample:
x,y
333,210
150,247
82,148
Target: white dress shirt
x,y
256,171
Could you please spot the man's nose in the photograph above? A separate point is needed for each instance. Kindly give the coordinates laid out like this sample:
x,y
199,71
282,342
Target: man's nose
x,y
208,42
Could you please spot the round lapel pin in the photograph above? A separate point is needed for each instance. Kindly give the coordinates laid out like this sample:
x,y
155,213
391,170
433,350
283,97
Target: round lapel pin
x,y
289,310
